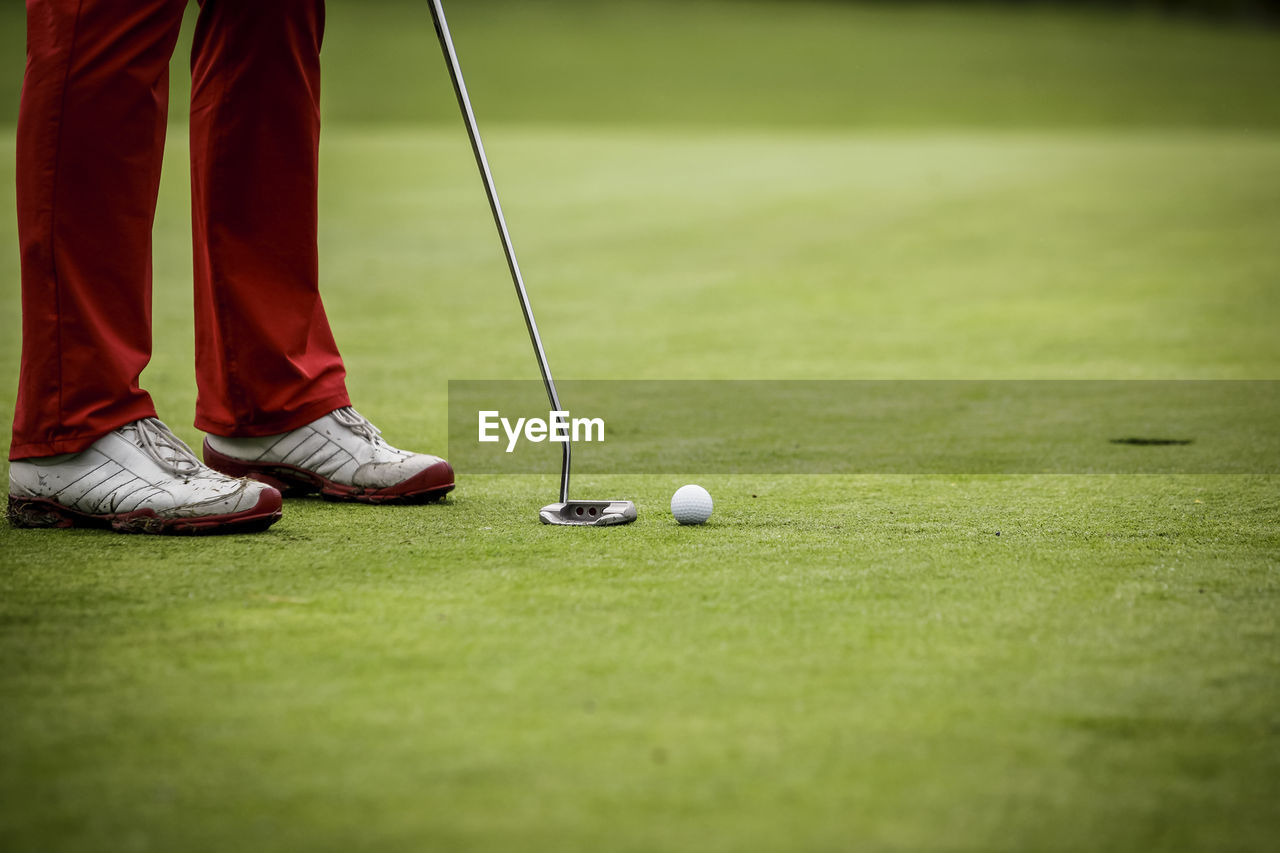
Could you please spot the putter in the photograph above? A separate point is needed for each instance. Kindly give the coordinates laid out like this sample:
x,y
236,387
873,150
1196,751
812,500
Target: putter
x,y
566,512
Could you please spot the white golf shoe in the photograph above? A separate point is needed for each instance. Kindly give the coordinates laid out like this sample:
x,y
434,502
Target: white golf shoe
x,y
140,478
341,455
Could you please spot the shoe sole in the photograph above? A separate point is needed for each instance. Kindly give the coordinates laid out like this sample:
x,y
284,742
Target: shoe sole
x,y
427,486
38,512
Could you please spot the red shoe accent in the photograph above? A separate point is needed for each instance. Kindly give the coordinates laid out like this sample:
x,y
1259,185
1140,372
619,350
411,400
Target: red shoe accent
x,y
427,486
38,512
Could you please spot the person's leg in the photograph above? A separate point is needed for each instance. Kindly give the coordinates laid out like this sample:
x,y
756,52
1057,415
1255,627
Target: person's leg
x,y
272,386
266,361
89,143
87,449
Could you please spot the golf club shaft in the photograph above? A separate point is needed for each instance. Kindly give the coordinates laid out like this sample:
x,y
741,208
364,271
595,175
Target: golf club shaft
x,y
464,103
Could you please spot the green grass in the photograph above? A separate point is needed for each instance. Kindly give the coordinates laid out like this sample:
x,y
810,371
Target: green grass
x,y
832,661
879,662
797,63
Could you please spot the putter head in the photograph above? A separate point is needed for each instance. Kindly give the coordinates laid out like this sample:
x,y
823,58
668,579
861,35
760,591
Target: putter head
x,y
589,513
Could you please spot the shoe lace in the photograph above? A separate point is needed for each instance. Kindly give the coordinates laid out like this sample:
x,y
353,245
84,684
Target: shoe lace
x,y
158,442
359,424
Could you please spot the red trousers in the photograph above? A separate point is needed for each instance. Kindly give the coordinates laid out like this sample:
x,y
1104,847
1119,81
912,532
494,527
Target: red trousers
x,y
90,138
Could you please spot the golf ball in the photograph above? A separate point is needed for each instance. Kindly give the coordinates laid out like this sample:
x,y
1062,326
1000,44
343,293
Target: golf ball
x,y
691,504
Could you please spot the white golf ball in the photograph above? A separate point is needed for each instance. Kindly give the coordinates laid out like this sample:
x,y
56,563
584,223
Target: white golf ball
x,y
691,504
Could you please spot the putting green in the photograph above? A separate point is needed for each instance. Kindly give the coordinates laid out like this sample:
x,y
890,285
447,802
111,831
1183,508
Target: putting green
x,y
886,662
